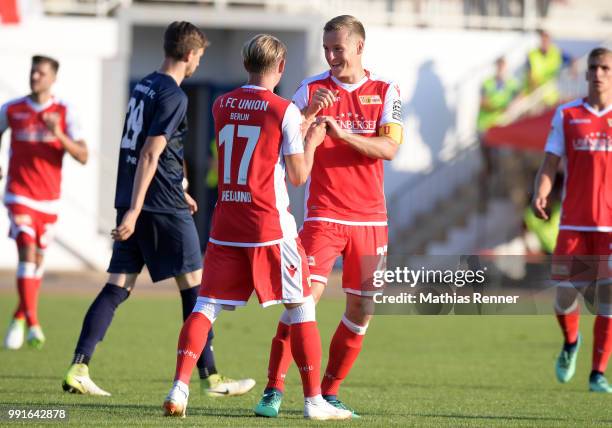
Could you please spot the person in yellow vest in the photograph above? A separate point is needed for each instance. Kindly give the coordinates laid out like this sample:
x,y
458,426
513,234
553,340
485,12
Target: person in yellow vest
x,y
496,94
543,67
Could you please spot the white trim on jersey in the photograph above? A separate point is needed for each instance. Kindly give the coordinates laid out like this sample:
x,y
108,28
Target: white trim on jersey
x,y
598,113
293,143
47,207
555,143
586,228
40,107
351,87
292,287
73,125
246,244
276,302
285,218
318,278
261,88
15,229
347,222
220,302
392,98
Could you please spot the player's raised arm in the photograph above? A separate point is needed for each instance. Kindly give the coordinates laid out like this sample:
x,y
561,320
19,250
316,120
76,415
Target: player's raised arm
x,y
75,147
299,165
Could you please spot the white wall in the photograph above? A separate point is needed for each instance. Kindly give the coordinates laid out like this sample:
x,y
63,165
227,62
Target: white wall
x,y
439,73
80,45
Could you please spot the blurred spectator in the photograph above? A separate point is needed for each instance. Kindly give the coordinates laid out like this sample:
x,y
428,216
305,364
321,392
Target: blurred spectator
x,y
543,67
496,94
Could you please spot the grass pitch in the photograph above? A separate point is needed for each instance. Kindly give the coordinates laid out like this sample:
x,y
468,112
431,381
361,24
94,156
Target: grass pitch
x,y
413,371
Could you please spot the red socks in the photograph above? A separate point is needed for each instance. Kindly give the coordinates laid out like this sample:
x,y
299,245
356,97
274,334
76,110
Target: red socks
x,y
28,285
306,350
343,351
569,325
602,342
280,357
191,342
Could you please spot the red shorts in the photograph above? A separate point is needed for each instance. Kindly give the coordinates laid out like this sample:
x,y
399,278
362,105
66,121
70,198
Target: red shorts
x,y
582,257
363,250
278,274
30,227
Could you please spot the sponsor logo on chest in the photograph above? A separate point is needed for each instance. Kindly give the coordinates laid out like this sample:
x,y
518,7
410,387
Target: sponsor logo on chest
x,y
593,142
370,99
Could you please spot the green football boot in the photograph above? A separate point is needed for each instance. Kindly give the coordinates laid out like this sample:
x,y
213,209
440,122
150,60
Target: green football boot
x,y
598,383
269,405
565,366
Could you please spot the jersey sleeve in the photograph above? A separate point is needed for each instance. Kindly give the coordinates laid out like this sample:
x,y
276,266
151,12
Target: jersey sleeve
x,y
3,118
555,143
73,124
392,108
293,143
170,110
300,98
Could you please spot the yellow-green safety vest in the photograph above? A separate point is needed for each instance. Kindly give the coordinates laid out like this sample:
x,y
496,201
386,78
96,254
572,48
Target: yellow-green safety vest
x,y
499,98
545,68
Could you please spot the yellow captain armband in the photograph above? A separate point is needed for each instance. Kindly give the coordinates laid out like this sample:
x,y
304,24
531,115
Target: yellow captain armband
x,y
393,131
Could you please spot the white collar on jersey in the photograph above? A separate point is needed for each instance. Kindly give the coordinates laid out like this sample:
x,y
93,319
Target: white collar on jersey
x,y
39,107
254,87
598,113
350,87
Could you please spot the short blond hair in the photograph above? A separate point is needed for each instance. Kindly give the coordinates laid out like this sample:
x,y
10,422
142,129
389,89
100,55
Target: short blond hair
x,y
262,53
352,24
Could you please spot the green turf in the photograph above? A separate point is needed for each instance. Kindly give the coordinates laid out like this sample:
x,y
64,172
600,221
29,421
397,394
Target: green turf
x,y
413,371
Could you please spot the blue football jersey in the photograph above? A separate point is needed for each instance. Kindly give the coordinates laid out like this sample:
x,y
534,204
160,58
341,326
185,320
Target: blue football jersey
x,y
157,106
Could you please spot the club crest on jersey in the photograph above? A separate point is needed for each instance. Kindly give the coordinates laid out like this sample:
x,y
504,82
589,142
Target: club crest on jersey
x,y
370,99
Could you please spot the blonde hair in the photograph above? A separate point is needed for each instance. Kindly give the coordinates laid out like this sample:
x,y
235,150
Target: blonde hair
x,y
262,53
352,24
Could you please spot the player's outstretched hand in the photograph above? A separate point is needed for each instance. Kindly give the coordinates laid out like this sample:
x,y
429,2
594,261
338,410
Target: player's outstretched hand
x,y
52,122
316,132
322,98
333,129
193,205
538,205
127,226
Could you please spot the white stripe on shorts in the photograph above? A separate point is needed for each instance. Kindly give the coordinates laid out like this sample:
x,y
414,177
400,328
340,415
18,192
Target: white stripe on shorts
x,y
292,286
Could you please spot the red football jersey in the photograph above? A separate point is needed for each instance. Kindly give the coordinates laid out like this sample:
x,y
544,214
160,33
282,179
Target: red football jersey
x,y
345,186
254,129
35,156
583,137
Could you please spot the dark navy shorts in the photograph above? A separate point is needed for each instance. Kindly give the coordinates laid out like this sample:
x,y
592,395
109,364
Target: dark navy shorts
x,y
167,243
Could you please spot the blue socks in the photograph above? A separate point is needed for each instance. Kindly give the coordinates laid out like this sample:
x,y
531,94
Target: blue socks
x,y
97,320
